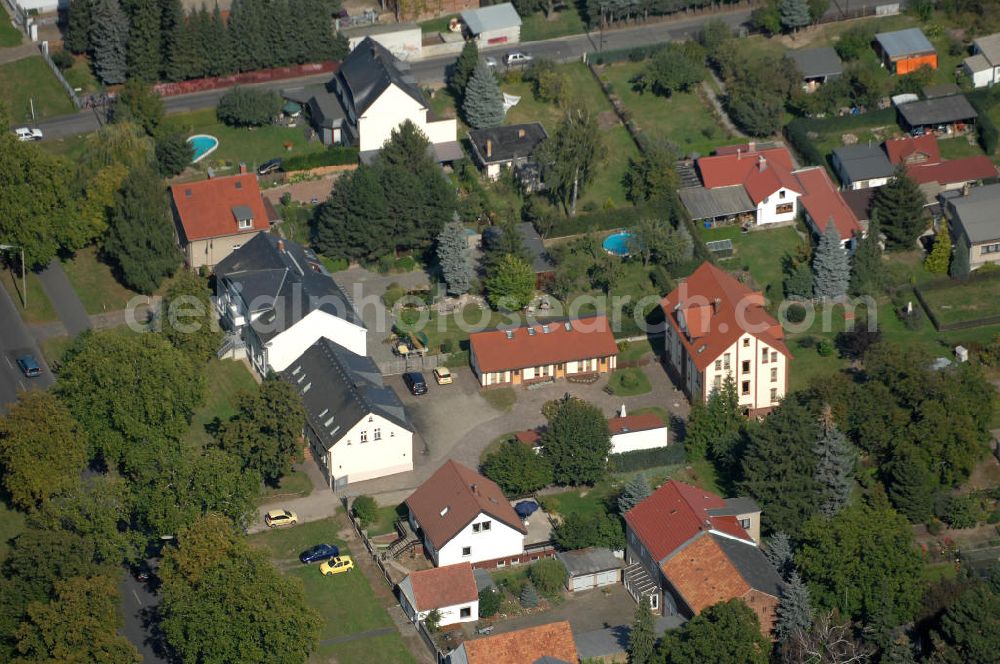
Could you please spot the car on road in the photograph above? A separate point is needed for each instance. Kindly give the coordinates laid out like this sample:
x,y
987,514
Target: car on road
x,y
29,134
29,365
442,375
516,58
337,565
318,553
415,383
276,518
269,166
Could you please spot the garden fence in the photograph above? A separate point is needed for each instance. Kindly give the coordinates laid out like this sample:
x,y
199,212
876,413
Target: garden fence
x,y
401,365
44,48
953,283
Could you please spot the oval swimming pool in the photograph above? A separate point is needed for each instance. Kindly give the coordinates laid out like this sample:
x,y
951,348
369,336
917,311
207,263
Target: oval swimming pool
x,y
617,244
203,145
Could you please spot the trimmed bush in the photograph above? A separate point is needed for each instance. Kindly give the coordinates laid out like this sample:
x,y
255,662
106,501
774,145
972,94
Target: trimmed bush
x,y
798,136
337,155
246,107
629,462
489,602
548,575
365,510
825,348
795,313
62,59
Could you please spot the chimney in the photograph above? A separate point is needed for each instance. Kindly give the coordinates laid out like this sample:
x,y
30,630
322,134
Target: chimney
x,y
751,146
521,133
761,163
716,303
966,189
489,148
281,246
475,489
243,168
739,154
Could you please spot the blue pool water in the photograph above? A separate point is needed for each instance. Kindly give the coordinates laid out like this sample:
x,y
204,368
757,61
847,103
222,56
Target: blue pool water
x,y
617,244
203,145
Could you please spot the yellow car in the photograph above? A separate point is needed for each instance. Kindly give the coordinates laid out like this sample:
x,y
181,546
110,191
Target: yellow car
x,y
442,375
337,565
276,518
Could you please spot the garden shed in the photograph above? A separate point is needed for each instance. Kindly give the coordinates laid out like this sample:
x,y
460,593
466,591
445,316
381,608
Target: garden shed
x,y
493,25
590,568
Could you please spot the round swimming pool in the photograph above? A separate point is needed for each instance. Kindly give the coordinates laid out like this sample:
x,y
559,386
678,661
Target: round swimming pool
x,y
203,145
617,244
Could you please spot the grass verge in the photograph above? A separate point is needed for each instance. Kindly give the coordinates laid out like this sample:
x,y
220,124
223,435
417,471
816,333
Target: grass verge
x,y
40,309
501,398
28,82
628,382
95,283
9,35
224,379
296,484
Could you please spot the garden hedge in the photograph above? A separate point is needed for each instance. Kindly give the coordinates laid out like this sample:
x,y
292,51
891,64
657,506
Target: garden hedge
x,y
629,462
334,156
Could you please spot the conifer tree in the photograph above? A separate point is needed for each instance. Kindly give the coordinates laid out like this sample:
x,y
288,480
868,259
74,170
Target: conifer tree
x,y
714,428
79,25
794,14
171,28
467,62
794,610
900,206
834,466
529,596
778,551
110,42
938,260
453,255
866,264
642,637
221,61
483,104
636,491
912,486
831,266
960,267
144,56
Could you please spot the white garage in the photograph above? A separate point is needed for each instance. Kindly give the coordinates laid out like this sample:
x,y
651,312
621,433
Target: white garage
x,y
590,568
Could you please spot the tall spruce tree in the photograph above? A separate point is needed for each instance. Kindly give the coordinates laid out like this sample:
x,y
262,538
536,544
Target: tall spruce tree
x,y
467,61
938,260
221,61
454,257
715,427
900,207
794,14
144,41
778,551
171,27
794,610
834,466
79,25
960,267
912,486
831,266
642,637
110,42
866,264
636,491
483,103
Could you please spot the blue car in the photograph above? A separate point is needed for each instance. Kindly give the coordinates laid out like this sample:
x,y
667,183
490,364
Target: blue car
x,y
29,366
318,553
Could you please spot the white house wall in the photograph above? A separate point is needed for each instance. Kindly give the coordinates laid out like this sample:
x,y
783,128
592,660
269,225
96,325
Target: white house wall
x,y
390,110
451,615
767,209
288,346
639,440
391,454
758,375
441,131
498,542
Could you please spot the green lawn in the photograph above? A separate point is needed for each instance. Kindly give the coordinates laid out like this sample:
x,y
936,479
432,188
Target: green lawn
x,y
956,148
224,379
285,544
566,22
976,298
580,501
634,350
435,25
760,252
628,382
296,484
501,398
80,75
11,525
30,80
684,119
9,35
95,283
345,601
40,308
385,519
390,649
250,146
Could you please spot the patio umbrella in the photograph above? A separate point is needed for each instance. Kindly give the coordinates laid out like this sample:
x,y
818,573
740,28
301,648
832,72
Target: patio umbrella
x,y
526,508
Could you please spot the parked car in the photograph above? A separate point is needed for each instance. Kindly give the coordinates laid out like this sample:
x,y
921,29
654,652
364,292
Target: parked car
x,y
415,383
442,375
29,134
276,518
516,58
490,62
269,166
29,366
337,565
318,553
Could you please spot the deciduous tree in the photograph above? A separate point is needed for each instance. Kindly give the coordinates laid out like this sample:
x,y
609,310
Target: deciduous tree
x,y
137,103
109,40
756,114
517,469
831,266
724,633
652,176
187,317
571,156
548,575
672,69
173,154
900,208
970,627
454,257
577,440
594,528
248,107
483,100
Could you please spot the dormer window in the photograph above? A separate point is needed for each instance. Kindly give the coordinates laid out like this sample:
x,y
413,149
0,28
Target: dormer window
x,y
243,216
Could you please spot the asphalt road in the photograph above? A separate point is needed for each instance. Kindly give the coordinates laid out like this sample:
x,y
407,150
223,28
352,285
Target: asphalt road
x,y
15,340
137,604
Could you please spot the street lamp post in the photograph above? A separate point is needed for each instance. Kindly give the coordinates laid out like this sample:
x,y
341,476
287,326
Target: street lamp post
x,y
24,275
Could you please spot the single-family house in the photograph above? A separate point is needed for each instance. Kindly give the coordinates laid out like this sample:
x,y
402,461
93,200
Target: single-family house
x,y
645,431
861,166
506,146
356,426
905,51
592,567
216,216
543,352
546,644
983,66
372,94
275,299
913,150
449,590
817,66
974,216
717,327
822,205
687,549
462,516
941,115
493,25
922,158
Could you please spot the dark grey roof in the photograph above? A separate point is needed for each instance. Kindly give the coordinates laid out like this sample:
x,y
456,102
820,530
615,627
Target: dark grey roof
x,y
548,659
941,90
588,561
325,109
734,506
704,203
339,389
540,261
507,142
817,62
369,70
942,110
860,201
483,579
285,281
863,162
750,562
976,212
904,42
242,212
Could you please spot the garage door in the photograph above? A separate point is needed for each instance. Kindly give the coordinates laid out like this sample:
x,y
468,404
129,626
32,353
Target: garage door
x,y
607,578
584,582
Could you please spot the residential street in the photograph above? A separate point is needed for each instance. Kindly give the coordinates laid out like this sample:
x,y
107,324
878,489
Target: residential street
x,y
64,299
137,603
15,340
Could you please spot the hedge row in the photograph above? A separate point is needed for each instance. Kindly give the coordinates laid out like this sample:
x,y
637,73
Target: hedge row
x,y
986,129
798,137
337,155
635,54
604,220
630,462
885,116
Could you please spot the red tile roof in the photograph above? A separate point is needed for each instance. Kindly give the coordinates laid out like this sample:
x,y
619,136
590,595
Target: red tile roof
x,y
675,513
529,437
205,208
703,575
524,646
823,202
724,170
644,422
712,329
953,171
452,497
532,346
916,149
443,586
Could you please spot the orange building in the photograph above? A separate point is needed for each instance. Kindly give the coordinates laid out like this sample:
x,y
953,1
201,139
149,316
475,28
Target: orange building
x,y
905,51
